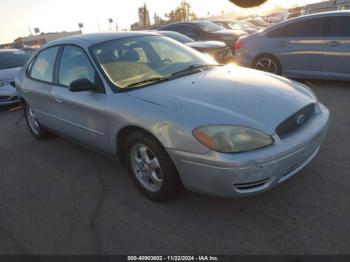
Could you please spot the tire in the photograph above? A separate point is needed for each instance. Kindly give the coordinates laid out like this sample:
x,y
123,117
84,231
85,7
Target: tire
x,y
268,63
37,130
150,167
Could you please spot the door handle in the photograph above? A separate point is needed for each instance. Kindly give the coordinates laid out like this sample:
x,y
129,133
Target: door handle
x,y
58,98
333,43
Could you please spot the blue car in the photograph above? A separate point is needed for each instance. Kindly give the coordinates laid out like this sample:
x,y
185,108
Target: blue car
x,y
312,47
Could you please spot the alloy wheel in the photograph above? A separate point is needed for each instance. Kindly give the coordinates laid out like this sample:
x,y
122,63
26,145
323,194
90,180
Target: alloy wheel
x,y
146,167
267,65
32,120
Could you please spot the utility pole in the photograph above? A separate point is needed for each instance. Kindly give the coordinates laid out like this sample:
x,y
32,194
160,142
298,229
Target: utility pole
x,y
110,20
144,16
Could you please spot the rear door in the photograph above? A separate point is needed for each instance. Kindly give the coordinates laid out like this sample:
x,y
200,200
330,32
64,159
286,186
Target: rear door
x,y
337,56
299,46
79,115
39,84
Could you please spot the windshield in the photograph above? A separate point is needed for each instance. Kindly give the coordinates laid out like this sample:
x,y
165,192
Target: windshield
x,y
138,59
208,26
11,59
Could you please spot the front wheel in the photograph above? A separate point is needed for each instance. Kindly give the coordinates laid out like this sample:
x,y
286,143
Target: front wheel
x,y
269,64
38,131
150,167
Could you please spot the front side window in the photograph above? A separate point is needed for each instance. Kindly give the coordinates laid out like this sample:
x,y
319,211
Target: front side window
x,y
132,60
208,26
189,30
305,28
12,59
75,65
44,64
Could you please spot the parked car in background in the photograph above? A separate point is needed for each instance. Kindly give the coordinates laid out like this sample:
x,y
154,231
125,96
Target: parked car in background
x,y
11,61
313,46
216,49
238,25
205,31
327,6
173,116
258,21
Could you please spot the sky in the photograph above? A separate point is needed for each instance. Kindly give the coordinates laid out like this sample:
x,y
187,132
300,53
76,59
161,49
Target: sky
x,y
18,16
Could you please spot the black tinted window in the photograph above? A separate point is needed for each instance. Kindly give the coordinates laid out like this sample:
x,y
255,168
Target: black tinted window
x,y
75,65
338,26
12,59
44,64
305,28
176,28
189,30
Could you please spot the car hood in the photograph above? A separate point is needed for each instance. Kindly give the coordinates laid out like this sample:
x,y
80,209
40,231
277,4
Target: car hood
x,y
9,74
230,95
206,44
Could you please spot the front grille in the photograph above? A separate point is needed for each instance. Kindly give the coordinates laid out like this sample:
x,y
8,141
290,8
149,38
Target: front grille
x,y
295,121
14,98
4,98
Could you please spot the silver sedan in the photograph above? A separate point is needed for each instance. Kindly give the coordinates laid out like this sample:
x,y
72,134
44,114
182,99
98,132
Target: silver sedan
x,y
172,115
11,61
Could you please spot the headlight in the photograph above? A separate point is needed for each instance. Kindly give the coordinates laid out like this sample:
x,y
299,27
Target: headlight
x,y
231,139
3,83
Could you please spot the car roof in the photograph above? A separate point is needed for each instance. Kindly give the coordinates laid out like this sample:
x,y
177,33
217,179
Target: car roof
x,y
306,17
88,40
186,22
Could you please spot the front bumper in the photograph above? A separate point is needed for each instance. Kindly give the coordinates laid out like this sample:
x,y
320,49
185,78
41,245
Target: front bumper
x,y
233,175
8,95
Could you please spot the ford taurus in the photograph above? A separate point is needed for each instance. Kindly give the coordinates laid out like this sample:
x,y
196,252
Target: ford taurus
x,y
174,118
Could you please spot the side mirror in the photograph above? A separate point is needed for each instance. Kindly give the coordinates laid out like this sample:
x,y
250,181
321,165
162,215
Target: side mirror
x,y
81,85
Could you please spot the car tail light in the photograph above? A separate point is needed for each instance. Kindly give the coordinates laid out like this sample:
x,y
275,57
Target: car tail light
x,y
238,45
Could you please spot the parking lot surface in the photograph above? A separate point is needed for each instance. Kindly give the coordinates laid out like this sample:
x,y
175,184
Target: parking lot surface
x,y
59,198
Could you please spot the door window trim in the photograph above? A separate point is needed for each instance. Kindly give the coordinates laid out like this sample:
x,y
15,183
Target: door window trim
x,y
31,64
58,63
267,34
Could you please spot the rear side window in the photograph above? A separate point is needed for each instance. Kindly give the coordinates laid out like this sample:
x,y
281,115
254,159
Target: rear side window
x,y
338,26
75,65
44,64
305,28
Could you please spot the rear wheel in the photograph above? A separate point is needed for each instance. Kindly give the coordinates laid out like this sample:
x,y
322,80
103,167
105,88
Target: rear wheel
x,y
269,64
38,131
150,167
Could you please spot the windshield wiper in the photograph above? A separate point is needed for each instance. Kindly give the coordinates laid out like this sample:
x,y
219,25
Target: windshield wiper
x,y
150,80
192,68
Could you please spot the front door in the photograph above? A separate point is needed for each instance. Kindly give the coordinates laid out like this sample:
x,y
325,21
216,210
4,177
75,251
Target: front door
x,y
337,54
299,46
80,115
